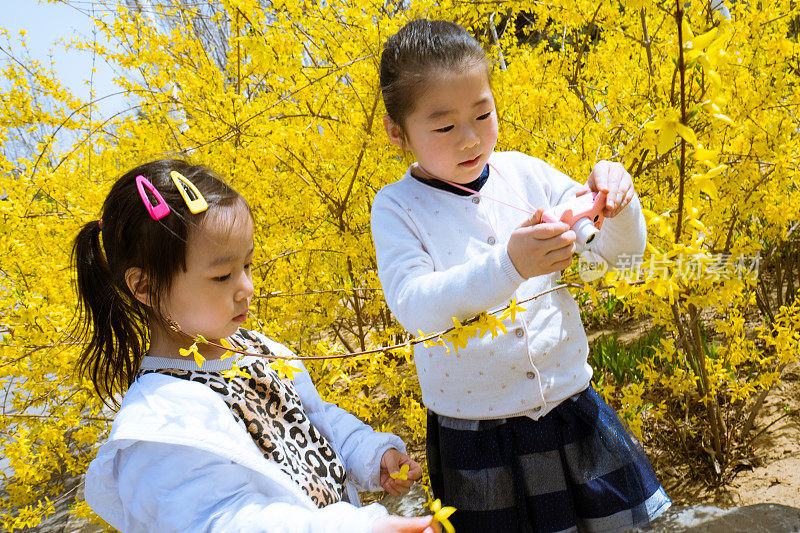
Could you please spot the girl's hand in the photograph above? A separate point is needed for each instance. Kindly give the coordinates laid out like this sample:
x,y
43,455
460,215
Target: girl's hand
x,y
615,180
399,524
391,463
536,249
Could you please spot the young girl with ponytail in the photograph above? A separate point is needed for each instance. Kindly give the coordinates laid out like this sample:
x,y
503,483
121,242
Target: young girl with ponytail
x,y
195,446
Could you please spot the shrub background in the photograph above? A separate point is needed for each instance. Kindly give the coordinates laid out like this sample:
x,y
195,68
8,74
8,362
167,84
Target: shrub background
x,y
282,98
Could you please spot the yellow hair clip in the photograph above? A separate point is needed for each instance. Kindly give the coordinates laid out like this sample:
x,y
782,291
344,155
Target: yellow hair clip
x,y
197,204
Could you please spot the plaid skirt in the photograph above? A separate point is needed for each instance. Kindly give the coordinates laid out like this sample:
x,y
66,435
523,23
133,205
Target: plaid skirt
x,y
575,469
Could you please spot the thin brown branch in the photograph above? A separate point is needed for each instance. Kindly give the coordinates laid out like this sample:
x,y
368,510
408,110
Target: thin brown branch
x,y
646,42
682,69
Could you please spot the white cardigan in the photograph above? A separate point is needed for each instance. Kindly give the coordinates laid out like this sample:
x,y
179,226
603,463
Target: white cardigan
x,y
441,255
177,460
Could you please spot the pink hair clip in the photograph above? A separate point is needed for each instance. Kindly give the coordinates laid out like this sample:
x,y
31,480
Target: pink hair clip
x,y
158,211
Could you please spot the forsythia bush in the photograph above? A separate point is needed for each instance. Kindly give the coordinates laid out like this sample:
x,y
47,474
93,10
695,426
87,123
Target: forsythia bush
x,y
282,98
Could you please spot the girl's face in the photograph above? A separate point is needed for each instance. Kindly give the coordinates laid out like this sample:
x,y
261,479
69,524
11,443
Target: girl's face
x,y
212,296
452,130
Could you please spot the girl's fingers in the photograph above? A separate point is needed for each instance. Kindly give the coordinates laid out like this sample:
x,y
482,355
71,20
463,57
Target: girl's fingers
x,y
626,184
598,178
400,524
562,254
548,230
415,472
391,488
565,240
434,528
534,220
612,198
403,487
562,265
560,259
612,178
626,199
625,195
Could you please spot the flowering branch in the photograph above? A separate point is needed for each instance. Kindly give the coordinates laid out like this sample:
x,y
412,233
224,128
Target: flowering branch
x,y
459,333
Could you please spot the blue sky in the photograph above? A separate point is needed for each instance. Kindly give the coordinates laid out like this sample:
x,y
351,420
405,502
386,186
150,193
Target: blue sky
x,y
45,25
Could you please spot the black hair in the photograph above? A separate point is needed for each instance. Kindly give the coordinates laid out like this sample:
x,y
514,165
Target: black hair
x,y
112,321
420,48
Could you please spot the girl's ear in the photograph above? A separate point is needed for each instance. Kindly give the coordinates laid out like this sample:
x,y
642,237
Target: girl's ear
x,y
138,284
394,132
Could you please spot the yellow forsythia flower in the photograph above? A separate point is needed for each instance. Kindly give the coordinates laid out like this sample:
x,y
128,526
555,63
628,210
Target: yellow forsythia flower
x,y
402,474
234,372
442,515
284,369
193,351
226,343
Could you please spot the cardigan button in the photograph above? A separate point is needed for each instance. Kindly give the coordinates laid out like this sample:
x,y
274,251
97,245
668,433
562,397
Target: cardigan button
x,y
490,240
476,200
519,333
530,375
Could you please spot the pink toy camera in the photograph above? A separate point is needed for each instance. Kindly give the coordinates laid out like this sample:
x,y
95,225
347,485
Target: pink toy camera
x,y
583,213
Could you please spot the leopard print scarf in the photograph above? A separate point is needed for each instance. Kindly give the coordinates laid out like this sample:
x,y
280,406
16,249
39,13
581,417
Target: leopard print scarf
x,y
273,414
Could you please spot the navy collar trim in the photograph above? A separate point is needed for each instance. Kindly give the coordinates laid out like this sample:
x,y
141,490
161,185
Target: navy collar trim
x,y
475,185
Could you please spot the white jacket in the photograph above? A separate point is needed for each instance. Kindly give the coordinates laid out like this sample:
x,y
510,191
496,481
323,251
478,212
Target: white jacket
x,y
177,460
441,255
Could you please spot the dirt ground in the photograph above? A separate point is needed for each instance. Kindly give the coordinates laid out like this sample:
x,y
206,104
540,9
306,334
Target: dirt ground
x,y
774,476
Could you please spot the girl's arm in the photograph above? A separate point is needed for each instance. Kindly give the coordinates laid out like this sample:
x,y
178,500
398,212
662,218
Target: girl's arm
x,y
421,298
361,448
168,487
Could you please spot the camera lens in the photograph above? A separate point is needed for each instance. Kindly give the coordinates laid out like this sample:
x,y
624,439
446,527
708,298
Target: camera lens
x,y
585,232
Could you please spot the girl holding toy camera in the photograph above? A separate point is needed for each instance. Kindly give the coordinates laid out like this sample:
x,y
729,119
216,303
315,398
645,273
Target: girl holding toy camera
x,y
518,440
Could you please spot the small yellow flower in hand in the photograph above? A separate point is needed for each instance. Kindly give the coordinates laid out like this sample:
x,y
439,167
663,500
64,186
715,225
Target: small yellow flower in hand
x,y
398,472
402,474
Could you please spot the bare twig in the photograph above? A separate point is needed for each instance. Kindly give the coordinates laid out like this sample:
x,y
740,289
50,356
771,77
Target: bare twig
x,y
682,71
646,42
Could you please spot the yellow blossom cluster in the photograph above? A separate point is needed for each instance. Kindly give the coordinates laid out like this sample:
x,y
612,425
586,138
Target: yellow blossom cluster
x,y
282,99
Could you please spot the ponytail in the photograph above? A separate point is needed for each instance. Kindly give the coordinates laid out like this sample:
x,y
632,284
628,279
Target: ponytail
x,y
112,321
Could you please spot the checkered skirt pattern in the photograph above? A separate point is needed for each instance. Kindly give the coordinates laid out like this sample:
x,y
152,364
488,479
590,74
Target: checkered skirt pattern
x,y
575,469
